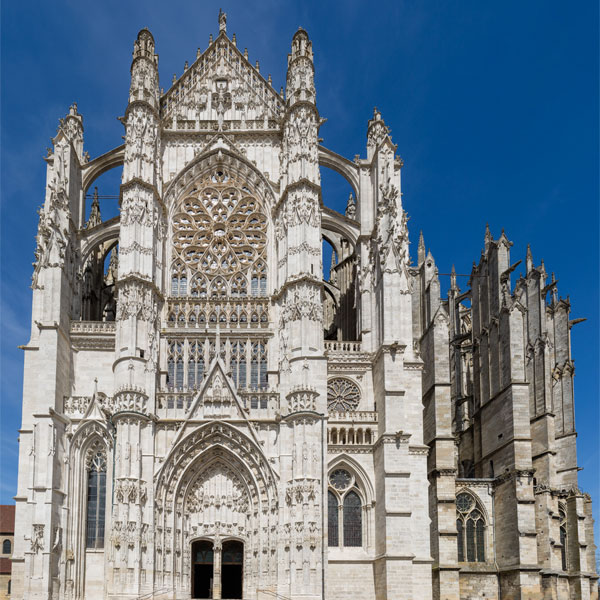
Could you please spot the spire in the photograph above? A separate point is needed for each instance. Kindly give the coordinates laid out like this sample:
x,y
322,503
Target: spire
x,y
332,273
144,70
421,251
453,285
529,260
351,207
377,131
300,86
488,237
95,218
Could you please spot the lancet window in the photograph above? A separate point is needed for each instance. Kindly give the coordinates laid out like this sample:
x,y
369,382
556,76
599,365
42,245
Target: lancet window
x,y
470,525
563,537
188,360
345,510
195,364
96,500
175,370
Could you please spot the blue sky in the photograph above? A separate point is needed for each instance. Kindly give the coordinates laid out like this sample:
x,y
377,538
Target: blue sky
x,y
493,105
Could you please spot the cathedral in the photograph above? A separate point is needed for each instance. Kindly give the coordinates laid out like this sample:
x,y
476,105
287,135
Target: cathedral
x,y
205,415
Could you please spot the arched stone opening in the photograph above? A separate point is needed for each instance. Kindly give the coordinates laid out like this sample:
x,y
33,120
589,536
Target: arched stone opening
x,y
218,488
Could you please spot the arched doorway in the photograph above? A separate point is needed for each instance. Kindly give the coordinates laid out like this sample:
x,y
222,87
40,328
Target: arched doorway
x,y
232,561
202,569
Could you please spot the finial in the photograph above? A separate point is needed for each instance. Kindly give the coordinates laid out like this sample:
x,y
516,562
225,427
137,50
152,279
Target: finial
x,y
210,39
488,236
529,260
270,80
234,40
281,91
246,53
185,67
257,67
222,21
453,285
95,385
198,53
174,78
332,273
421,249
95,218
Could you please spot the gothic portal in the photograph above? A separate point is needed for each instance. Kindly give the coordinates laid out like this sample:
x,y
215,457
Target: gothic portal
x,y
204,416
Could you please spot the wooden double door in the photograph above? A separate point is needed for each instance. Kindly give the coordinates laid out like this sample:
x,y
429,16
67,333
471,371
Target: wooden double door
x,y
217,570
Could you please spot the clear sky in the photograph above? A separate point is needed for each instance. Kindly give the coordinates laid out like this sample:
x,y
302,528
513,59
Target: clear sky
x,y
493,106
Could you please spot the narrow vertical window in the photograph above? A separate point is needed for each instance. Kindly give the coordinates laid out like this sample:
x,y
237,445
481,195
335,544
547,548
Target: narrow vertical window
x,y
333,530
352,520
460,540
563,538
96,501
479,528
6,547
470,541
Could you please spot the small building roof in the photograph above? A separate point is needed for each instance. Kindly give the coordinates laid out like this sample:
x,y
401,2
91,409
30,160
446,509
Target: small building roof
x,y
7,519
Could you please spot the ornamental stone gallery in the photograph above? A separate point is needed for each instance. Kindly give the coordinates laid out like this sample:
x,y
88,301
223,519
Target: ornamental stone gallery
x,y
205,416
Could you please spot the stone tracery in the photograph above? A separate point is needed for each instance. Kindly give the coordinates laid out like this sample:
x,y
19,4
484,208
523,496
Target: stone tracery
x,y
219,240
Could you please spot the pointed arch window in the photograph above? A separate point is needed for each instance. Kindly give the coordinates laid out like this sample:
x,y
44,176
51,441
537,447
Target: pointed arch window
x,y
96,501
470,527
352,520
563,537
238,364
175,366
195,364
179,280
333,530
258,366
343,500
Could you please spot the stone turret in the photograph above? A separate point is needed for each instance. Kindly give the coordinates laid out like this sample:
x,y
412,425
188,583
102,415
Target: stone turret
x,y
300,278
138,313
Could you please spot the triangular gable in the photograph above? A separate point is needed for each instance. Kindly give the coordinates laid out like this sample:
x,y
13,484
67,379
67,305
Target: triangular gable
x,y
216,400
94,411
221,85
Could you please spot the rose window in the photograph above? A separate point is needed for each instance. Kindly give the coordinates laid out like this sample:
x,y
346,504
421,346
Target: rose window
x,y
219,241
342,395
464,502
340,479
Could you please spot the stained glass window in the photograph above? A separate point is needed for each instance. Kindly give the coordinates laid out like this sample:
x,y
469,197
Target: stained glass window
x,y
352,520
333,531
220,230
96,501
470,540
470,527
460,540
342,395
340,479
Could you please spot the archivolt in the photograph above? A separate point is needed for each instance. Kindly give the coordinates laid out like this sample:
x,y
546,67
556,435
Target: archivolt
x,y
208,161
190,453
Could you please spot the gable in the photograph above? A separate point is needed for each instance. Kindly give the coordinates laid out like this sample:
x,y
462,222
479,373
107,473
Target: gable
x,y
221,86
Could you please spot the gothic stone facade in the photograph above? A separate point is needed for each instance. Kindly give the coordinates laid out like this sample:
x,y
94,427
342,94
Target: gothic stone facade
x,y
205,416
